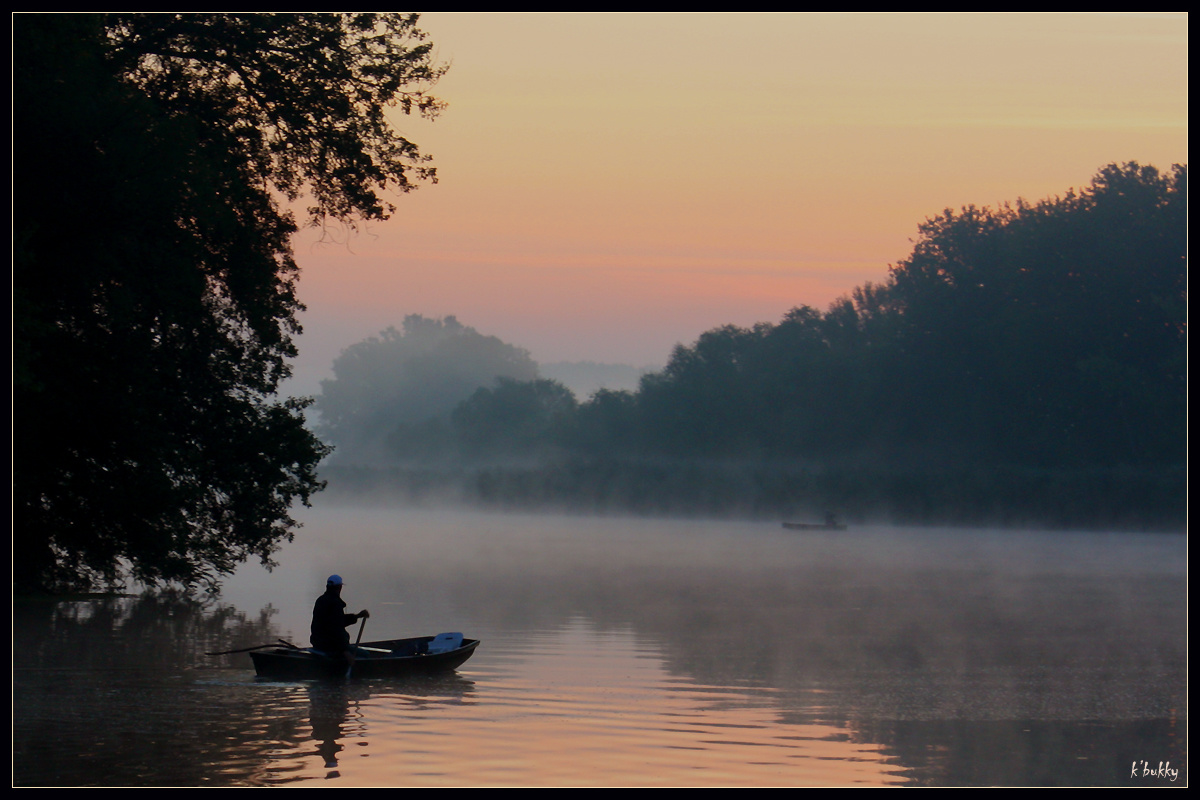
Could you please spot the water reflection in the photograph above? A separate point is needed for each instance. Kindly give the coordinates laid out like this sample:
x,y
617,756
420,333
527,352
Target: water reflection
x,y
328,712
338,719
166,631
635,652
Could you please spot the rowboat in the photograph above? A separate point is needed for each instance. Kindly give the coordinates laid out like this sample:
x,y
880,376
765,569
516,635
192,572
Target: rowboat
x,y
388,659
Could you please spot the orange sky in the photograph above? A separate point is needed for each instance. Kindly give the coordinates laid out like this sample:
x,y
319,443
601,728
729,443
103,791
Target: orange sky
x,y
613,184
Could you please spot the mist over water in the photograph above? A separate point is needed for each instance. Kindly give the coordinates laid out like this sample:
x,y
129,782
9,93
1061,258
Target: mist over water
x,y
644,652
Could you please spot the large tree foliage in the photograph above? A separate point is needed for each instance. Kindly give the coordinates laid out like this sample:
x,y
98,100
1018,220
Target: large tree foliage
x,y
300,101
154,295
1052,333
1047,334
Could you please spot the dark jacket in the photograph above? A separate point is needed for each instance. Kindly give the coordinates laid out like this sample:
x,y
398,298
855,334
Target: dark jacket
x,y
329,624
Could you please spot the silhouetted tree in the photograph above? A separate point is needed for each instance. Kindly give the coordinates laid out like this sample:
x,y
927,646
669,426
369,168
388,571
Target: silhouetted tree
x,y
395,387
1032,335
609,424
515,419
1052,333
153,281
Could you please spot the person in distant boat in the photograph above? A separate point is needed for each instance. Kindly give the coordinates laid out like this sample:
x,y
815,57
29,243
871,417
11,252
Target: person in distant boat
x,y
329,622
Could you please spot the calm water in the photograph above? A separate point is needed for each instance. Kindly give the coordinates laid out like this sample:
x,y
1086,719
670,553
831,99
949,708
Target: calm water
x,y
636,652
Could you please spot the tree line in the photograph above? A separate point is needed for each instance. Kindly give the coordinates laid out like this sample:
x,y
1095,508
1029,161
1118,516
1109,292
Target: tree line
x,y
1050,334
1033,339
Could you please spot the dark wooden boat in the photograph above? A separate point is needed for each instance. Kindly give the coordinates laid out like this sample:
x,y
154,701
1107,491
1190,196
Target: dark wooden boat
x,y
814,526
387,659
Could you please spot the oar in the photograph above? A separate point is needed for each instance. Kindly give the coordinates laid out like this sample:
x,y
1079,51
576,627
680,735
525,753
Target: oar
x,y
243,650
361,626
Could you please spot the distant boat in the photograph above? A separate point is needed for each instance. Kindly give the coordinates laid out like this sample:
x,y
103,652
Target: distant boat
x,y
828,524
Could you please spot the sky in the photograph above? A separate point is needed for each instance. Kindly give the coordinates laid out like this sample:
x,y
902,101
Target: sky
x,y
611,185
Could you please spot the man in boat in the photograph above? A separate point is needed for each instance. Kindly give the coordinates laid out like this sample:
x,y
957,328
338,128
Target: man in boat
x,y
329,634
